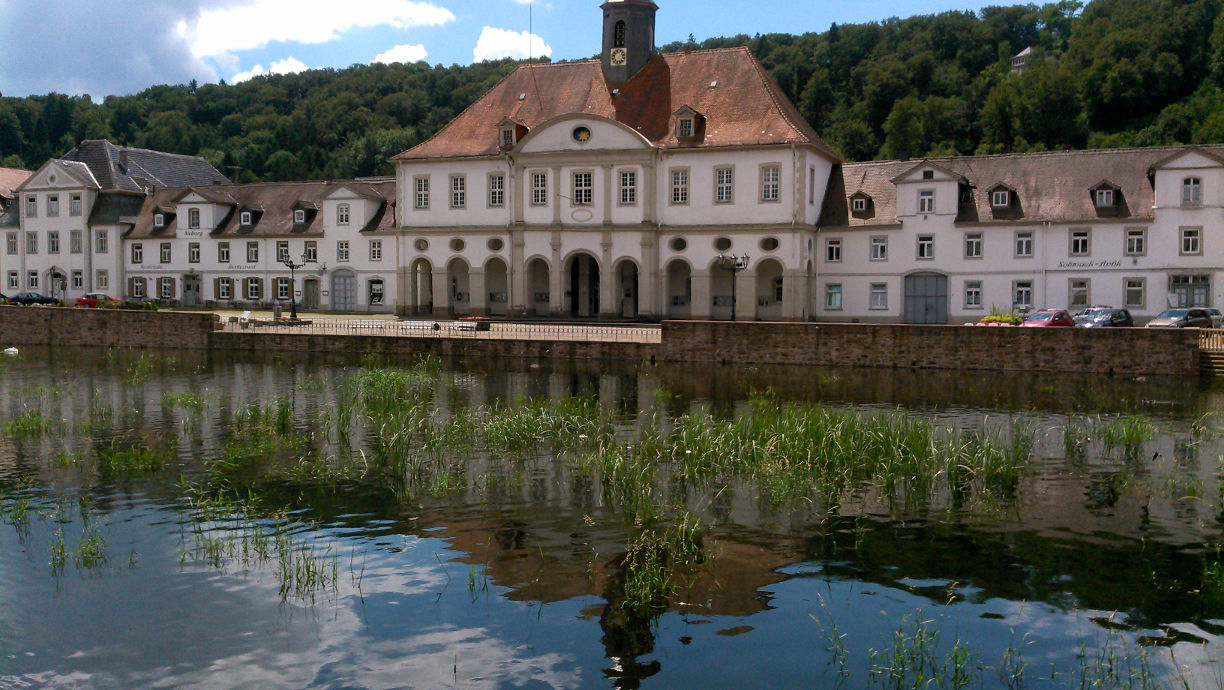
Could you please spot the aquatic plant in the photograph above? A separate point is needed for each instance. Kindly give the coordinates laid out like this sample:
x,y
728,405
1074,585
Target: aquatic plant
x,y
657,554
131,456
194,402
90,552
59,552
33,423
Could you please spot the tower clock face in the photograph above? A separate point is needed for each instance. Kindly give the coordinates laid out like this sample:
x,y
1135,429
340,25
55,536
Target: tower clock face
x,y
618,57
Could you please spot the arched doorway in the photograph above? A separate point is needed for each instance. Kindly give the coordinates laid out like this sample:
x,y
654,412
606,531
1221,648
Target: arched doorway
x,y
679,290
769,290
420,287
539,300
926,298
722,291
344,290
498,287
582,286
56,283
457,285
627,289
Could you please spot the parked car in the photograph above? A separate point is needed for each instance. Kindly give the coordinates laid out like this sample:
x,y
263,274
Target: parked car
x,y
1181,318
1049,317
4,299
92,299
1217,318
1089,312
28,298
1107,318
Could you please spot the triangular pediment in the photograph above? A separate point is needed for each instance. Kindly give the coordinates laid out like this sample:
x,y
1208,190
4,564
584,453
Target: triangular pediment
x,y
1189,158
938,172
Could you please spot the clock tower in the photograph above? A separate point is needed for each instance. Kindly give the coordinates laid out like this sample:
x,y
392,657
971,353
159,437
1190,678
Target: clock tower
x,y
628,38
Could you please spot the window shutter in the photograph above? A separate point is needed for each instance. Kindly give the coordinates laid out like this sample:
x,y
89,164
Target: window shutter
x,y
246,289
131,289
216,288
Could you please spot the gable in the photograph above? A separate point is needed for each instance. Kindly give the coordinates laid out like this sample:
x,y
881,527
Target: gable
x,y
1189,159
927,172
567,133
55,174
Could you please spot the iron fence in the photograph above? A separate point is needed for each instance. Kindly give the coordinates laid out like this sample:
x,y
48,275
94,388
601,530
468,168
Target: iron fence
x,y
451,329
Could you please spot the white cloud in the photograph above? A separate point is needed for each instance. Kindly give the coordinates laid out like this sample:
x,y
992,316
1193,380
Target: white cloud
x,y
289,65
495,44
256,23
404,53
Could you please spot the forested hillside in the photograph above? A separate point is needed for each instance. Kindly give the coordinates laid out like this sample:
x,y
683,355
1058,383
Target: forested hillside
x,y
1111,73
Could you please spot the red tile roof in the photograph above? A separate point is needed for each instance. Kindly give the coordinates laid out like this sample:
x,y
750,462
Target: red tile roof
x,y
744,107
10,179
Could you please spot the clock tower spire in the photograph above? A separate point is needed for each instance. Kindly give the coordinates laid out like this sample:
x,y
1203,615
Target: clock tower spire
x,y
628,38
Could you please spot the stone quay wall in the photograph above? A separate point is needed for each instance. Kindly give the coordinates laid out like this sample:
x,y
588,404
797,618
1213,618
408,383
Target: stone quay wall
x,y
70,326
1121,351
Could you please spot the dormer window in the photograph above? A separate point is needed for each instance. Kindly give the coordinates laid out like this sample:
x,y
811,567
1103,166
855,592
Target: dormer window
x,y
684,127
159,220
1104,198
193,218
1000,198
858,204
299,216
1192,191
507,137
244,218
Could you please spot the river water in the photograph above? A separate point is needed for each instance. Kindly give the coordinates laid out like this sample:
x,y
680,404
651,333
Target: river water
x,y
1097,566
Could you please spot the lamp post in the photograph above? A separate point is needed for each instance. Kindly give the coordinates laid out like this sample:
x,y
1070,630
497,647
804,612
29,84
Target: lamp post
x,y
735,264
293,283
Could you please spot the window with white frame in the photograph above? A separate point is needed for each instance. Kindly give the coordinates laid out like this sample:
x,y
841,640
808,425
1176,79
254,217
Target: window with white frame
x,y
193,252
74,205
879,295
1104,198
225,288
458,191
833,296
1192,191
253,289
1022,294
53,245
75,242
858,204
1136,241
244,218
497,190
282,288
138,288
193,218
771,180
342,214
1081,243
166,288
31,206
137,253
165,253
375,250
684,127
312,251
1000,198
10,243
583,188
14,280
926,246
1024,244
973,245
539,188
628,188
31,242
282,251
102,279
101,242
252,252
223,252
53,206
507,137
342,251
420,199
833,250
32,280
680,186
1079,293
1136,293
299,216
159,220
926,201
879,248
78,280
973,294
1191,241
724,185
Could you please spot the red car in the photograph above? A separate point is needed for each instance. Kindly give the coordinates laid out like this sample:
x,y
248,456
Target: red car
x,y
93,299
1049,317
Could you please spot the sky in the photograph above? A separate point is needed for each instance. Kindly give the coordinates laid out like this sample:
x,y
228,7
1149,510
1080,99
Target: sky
x,y
104,47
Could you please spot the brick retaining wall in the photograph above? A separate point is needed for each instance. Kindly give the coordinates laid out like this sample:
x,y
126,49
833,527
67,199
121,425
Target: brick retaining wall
x,y
104,327
474,348
1123,351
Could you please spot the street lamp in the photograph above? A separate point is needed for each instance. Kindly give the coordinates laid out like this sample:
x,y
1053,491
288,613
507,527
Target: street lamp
x,y
735,264
293,283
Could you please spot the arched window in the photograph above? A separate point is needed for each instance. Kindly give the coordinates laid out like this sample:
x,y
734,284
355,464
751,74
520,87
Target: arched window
x,y
1192,191
618,35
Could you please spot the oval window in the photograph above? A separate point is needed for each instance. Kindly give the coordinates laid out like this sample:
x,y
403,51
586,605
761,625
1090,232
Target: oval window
x,y
457,245
421,245
678,244
496,244
769,244
722,244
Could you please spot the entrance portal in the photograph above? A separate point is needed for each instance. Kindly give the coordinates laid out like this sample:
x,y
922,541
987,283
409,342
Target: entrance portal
x,y
583,289
926,298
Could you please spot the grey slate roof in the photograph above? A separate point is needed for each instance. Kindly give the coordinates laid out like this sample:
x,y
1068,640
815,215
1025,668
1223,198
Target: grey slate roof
x,y
125,169
112,209
1054,187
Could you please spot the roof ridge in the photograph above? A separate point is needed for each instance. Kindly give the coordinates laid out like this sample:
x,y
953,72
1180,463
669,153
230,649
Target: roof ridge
x,y
707,51
1035,154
